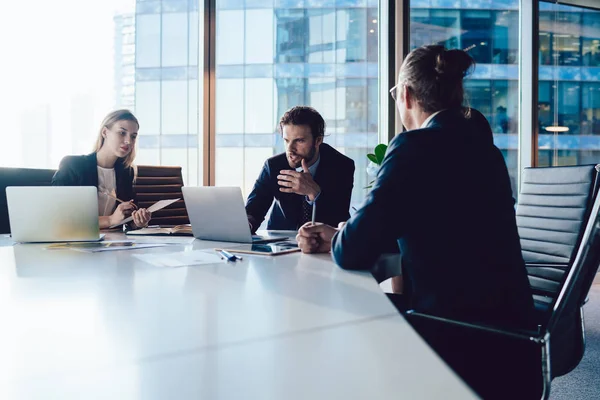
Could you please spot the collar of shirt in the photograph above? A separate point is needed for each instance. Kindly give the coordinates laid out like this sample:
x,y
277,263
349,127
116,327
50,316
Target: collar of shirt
x,y
313,168
426,122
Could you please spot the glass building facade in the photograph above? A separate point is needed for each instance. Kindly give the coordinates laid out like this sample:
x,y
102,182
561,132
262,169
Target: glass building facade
x,y
570,54
167,88
124,61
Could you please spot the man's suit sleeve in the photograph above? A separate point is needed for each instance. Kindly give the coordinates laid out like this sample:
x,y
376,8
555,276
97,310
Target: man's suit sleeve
x,y
67,174
335,199
260,199
377,225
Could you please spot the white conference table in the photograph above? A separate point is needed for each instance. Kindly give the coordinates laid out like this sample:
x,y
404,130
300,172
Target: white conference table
x,y
110,326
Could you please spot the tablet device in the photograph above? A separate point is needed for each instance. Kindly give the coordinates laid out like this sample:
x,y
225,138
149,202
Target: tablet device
x,y
265,249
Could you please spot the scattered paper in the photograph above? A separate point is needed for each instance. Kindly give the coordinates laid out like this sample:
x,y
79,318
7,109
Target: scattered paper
x,y
181,258
108,245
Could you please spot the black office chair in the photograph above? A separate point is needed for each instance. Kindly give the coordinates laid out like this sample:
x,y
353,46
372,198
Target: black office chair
x,y
19,177
553,206
502,364
154,183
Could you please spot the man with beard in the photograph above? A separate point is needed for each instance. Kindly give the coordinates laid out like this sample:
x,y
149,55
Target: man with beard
x,y
309,173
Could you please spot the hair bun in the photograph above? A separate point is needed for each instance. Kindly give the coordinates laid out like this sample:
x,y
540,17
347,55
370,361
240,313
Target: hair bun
x,y
453,64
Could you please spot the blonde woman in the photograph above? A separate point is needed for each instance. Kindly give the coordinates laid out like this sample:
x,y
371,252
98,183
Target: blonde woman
x,y
108,168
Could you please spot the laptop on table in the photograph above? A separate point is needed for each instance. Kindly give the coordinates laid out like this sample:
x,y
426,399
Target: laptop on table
x,y
219,214
42,214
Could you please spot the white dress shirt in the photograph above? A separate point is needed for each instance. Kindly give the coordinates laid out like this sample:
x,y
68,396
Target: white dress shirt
x,y
107,183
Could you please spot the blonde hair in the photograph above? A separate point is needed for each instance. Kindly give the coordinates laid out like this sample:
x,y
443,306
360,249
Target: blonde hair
x,y
108,122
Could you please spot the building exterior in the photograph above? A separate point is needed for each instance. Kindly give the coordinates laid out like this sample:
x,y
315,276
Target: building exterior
x,y
124,60
167,87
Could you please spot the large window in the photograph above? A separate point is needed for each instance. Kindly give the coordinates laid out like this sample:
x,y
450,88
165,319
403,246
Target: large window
x,y
569,90
491,36
272,56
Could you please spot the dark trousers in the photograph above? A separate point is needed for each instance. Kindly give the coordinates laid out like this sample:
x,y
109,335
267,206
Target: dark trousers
x,y
399,301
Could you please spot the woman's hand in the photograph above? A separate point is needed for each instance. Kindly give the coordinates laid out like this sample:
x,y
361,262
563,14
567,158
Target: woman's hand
x,y
141,218
123,211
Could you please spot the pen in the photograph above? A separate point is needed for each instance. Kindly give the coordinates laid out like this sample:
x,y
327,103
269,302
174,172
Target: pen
x,y
314,212
229,256
116,198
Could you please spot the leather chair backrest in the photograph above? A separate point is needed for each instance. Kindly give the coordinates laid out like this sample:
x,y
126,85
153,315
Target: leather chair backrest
x,y
19,177
154,183
551,210
553,206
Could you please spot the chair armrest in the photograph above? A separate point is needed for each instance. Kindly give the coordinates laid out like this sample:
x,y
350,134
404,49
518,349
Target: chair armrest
x,y
487,358
521,334
548,265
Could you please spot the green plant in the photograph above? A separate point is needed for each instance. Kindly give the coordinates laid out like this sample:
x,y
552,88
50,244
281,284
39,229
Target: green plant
x,y
378,154
376,158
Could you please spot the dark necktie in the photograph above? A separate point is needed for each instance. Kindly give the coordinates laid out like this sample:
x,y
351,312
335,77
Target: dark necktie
x,y
306,215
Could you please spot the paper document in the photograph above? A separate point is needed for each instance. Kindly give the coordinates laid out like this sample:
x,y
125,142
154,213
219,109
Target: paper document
x,y
159,205
181,258
108,245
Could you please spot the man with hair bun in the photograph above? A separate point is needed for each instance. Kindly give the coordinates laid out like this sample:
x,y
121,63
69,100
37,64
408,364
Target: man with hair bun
x,y
443,198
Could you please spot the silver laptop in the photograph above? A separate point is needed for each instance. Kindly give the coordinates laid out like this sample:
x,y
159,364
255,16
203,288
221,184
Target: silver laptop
x,y
53,213
218,213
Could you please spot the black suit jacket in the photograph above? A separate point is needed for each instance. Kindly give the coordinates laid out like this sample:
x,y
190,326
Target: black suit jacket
x,y
83,171
443,195
335,176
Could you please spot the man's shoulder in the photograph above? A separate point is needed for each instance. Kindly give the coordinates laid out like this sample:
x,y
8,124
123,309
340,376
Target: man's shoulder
x,y
330,154
409,139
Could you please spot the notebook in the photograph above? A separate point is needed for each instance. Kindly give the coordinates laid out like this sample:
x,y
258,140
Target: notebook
x,y
179,230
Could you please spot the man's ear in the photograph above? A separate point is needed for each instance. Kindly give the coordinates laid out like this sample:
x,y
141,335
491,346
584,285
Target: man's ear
x,y
318,141
407,97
